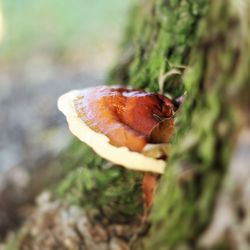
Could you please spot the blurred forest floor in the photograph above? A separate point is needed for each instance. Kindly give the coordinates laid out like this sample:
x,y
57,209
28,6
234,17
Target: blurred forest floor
x,y
47,48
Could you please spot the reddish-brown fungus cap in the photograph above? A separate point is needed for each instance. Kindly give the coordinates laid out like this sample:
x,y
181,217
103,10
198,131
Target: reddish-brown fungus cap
x,y
129,118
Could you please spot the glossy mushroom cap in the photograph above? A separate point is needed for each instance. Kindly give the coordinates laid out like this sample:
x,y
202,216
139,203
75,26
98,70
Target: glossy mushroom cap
x,y
122,125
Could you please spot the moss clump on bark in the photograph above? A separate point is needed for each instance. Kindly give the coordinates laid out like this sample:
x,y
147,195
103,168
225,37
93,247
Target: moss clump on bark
x,y
159,38
204,37
208,125
91,182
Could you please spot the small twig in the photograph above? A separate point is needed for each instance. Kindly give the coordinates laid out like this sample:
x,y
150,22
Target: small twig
x,y
176,70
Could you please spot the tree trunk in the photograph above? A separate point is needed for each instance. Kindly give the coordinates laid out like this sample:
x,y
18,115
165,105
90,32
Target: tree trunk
x,y
202,200
199,50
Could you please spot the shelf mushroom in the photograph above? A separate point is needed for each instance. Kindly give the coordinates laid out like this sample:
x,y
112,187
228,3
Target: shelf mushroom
x,y
128,127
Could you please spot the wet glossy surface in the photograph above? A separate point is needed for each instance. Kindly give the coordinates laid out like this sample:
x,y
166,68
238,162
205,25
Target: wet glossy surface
x,y
126,116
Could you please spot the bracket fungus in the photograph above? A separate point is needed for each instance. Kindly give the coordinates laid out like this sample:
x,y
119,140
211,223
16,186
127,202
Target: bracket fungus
x,y
128,127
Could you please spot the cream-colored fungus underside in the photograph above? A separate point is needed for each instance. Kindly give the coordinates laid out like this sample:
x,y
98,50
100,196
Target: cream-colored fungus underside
x,y
100,143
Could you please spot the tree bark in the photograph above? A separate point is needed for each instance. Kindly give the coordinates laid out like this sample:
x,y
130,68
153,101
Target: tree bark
x,y
199,50
201,201
202,198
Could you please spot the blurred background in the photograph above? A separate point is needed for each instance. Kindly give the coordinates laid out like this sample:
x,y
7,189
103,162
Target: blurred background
x,y
46,48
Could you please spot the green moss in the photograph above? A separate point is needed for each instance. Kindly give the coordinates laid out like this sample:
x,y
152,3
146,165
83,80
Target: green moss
x,y
91,182
184,203
162,37
158,38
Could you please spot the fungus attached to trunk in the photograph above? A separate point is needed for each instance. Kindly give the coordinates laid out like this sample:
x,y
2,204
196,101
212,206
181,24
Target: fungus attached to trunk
x,y
128,127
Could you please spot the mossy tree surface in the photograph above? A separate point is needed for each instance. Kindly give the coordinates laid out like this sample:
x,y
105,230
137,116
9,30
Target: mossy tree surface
x,y
208,43
92,182
159,37
215,81
211,40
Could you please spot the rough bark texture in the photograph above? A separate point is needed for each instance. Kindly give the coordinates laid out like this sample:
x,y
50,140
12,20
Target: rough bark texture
x,y
201,181
202,201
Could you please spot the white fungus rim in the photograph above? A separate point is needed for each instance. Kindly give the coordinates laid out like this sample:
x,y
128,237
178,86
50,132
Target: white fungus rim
x,y
100,143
